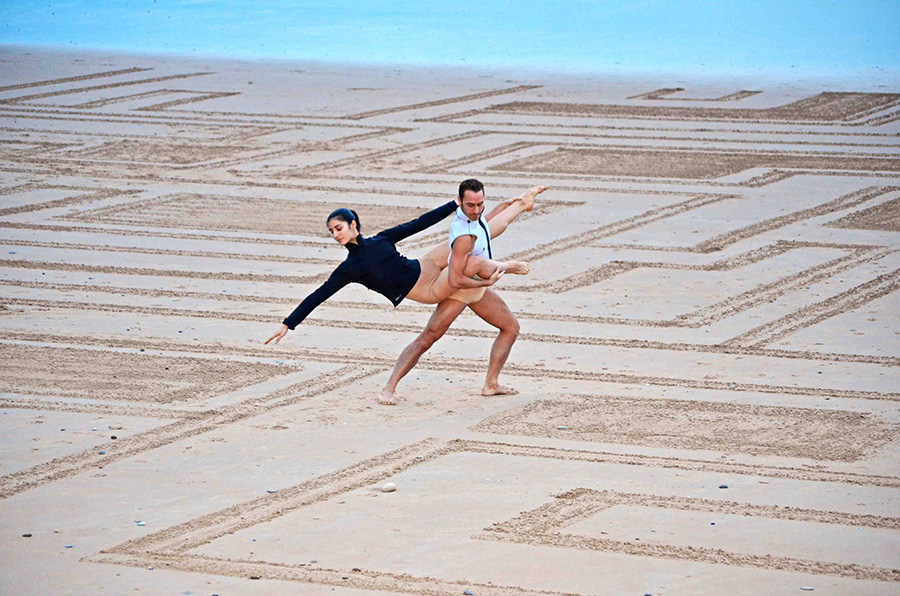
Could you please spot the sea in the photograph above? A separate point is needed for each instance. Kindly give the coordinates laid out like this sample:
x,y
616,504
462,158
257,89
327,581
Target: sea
x,y
703,37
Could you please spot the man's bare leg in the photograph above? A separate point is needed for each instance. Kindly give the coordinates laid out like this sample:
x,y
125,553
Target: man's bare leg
x,y
494,311
445,313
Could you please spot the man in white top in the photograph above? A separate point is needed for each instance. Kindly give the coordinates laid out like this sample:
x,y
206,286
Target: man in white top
x,y
478,228
470,233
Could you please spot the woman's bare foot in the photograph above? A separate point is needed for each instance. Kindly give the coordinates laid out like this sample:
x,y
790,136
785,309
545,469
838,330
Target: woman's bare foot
x,y
489,390
386,398
515,267
529,195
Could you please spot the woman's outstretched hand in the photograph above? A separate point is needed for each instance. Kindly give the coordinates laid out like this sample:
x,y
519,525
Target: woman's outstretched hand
x,y
282,331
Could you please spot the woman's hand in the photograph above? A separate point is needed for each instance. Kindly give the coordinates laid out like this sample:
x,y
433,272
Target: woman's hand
x,y
278,334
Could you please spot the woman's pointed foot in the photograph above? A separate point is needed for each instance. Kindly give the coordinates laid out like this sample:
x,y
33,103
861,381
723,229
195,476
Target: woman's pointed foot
x,y
529,195
516,267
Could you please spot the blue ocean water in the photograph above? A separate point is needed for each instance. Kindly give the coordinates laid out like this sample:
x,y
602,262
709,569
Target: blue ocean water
x,y
706,37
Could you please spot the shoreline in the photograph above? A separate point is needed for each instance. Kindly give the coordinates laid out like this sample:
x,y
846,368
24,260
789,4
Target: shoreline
x,y
876,77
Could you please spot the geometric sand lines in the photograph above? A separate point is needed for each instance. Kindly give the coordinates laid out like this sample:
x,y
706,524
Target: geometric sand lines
x,y
547,525
824,107
121,376
270,216
884,217
157,152
684,424
121,211
682,164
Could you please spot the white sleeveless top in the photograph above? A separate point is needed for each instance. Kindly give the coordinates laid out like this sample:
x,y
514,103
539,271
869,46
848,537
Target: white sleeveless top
x,y
463,226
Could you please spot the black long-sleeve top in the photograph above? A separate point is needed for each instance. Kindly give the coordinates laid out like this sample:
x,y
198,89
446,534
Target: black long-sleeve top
x,y
375,263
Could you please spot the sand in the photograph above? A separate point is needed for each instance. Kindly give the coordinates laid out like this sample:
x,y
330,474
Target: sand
x,y
706,366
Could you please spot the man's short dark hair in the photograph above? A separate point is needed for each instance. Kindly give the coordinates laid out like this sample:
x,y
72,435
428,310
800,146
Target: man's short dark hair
x,y
470,184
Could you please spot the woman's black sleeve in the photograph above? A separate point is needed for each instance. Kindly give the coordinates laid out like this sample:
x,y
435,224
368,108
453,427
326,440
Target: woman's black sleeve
x,y
337,280
405,230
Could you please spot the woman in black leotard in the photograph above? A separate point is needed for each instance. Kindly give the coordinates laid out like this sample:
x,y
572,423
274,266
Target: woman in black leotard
x,y
375,263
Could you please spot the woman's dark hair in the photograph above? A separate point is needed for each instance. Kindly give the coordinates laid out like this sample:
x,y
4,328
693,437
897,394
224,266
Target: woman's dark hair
x,y
346,216
471,184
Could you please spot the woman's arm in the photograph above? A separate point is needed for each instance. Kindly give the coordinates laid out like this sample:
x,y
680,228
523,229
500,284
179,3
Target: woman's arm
x,y
405,230
337,280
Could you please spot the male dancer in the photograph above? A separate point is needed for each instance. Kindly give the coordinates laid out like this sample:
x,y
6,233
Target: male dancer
x,y
470,233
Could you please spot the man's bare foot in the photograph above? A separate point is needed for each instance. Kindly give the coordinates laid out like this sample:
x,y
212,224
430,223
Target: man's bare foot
x,y
497,390
529,195
386,398
515,267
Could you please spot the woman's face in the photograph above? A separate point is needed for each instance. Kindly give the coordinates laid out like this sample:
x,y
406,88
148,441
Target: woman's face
x,y
341,231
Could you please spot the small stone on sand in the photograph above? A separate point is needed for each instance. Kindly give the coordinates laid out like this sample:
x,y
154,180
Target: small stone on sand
x,y
389,487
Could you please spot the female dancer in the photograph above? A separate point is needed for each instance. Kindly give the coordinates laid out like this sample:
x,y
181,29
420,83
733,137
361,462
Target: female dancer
x,y
375,263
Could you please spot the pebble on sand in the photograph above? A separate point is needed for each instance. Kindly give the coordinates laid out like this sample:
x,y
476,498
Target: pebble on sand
x,y
389,487
806,588
468,592
271,490
561,427
723,486
141,523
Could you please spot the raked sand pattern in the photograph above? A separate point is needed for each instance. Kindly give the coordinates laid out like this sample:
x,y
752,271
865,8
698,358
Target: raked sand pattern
x,y
707,364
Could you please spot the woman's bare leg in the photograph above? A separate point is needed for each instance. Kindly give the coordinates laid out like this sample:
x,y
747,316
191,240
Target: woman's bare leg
x,y
498,221
434,286
485,268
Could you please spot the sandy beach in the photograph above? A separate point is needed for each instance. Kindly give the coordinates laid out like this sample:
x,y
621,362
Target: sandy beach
x,y
707,364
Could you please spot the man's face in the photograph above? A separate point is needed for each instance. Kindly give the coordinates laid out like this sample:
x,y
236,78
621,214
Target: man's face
x,y
472,204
